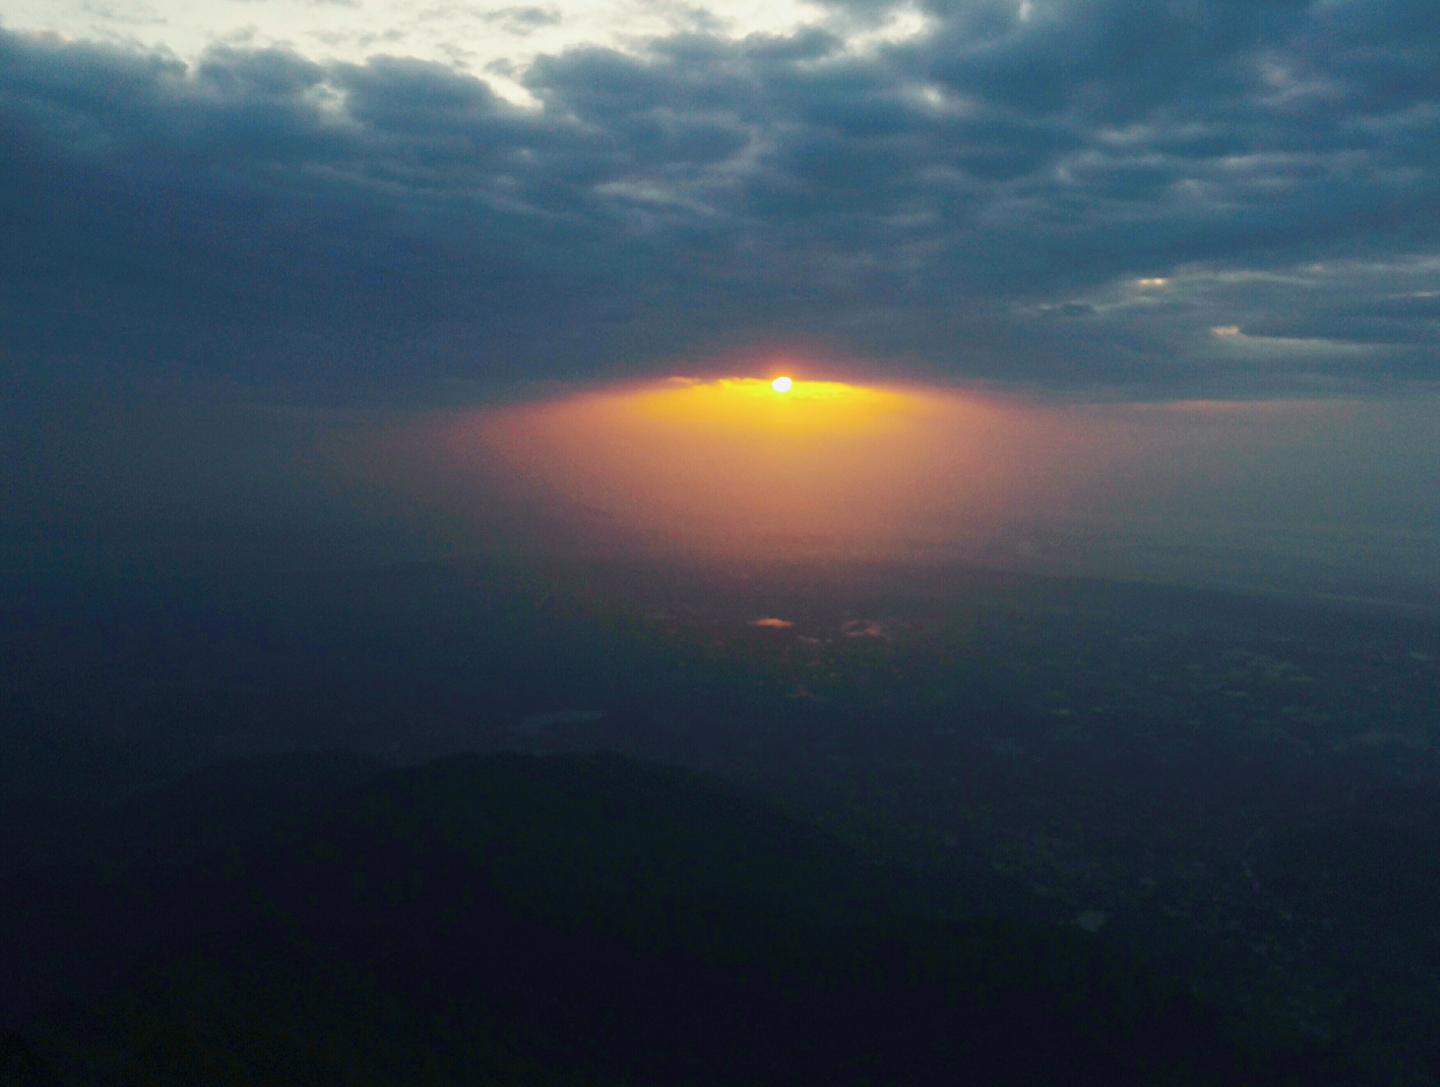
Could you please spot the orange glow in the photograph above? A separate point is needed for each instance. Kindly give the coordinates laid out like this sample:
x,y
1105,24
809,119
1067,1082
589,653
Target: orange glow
x,y
728,467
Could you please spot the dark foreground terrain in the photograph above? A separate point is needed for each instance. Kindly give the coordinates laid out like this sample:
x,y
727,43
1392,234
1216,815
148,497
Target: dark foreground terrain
x,y
525,919
946,820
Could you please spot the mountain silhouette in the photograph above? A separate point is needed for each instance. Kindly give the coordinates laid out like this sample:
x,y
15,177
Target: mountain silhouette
x,y
561,919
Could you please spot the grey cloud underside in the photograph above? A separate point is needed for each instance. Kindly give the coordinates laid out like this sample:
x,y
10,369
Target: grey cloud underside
x,y
977,202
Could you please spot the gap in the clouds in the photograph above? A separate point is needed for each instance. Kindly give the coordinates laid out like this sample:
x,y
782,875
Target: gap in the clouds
x,y
496,43
1238,493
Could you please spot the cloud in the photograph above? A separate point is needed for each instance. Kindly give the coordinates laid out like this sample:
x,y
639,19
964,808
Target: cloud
x,y
522,19
1071,201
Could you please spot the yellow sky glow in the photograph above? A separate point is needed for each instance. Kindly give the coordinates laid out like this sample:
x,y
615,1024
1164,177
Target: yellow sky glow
x,y
728,466
729,469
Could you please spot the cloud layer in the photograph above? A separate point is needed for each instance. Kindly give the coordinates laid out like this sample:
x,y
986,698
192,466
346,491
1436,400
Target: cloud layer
x,y
1087,196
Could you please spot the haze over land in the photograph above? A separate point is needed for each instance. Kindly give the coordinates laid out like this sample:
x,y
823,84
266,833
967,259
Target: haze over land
x,y
527,530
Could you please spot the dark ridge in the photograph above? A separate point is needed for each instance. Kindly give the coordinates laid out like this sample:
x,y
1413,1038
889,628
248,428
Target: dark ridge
x,y
596,920
21,1065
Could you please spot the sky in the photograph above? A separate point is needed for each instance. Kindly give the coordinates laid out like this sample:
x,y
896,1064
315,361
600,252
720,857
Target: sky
x,y
237,236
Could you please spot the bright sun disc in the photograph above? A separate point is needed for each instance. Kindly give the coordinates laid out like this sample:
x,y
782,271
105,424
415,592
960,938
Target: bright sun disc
x,y
782,384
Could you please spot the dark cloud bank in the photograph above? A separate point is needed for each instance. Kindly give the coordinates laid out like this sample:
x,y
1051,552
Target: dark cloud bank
x,y
982,202
223,283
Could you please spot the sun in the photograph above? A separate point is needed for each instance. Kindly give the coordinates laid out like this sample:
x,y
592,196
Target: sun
x,y
782,384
